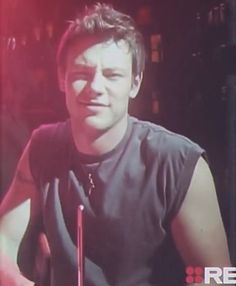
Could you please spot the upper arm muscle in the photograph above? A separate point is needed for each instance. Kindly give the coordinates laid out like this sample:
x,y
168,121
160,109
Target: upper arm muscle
x,y
15,207
197,229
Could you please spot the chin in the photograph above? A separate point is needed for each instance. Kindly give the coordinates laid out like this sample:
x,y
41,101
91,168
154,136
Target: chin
x,y
96,124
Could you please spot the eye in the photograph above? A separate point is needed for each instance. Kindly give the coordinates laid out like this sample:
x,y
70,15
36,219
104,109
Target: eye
x,y
83,74
112,75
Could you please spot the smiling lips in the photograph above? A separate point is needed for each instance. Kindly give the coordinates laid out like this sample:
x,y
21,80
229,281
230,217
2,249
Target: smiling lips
x,y
92,103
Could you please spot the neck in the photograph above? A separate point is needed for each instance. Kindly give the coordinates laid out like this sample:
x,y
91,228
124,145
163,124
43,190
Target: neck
x,y
96,142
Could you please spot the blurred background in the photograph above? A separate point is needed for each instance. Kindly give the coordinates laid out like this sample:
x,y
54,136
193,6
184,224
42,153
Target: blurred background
x,y
189,85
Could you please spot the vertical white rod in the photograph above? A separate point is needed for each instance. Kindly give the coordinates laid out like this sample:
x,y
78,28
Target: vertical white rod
x,y
80,246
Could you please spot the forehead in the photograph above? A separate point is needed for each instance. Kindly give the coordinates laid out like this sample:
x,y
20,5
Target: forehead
x,y
107,53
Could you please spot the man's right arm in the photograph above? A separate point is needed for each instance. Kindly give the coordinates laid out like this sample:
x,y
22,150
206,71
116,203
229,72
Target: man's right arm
x,y
14,217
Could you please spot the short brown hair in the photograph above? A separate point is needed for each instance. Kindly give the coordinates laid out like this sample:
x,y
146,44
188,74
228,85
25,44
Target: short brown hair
x,y
103,19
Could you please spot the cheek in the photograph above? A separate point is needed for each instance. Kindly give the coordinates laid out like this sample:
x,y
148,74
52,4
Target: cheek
x,y
122,88
78,85
120,97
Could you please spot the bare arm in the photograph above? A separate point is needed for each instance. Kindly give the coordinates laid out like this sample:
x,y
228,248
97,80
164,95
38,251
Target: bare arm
x,y
15,213
198,229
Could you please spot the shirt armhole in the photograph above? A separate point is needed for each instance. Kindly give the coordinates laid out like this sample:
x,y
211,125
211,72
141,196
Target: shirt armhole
x,y
184,179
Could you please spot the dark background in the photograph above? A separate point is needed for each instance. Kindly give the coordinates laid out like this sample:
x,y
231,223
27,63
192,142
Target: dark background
x,y
189,85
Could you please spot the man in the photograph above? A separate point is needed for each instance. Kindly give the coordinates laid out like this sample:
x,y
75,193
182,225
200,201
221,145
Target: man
x,y
142,187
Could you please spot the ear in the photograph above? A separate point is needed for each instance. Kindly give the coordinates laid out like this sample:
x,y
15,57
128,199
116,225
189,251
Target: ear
x,y
61,79
136,85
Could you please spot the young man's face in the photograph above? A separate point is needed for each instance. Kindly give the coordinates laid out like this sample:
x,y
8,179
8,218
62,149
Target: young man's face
x,y
98,84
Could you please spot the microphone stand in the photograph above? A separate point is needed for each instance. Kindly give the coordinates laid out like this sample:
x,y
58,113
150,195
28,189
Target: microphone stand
x,y
80,246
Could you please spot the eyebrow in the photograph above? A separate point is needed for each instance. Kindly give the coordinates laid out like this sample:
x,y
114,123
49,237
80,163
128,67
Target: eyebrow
x,y
82,67
86,67
112,69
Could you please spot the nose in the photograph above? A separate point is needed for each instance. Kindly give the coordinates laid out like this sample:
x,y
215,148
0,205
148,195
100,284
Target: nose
x,y
97,83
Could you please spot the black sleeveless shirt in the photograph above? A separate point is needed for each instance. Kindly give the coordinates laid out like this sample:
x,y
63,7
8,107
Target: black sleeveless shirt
x,y
139,188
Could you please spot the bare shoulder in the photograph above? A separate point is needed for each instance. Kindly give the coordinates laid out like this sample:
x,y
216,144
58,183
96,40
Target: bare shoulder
x,y
22,187
23,174
198,229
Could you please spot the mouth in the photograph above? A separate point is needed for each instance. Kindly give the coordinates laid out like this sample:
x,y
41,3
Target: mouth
x,y
92,103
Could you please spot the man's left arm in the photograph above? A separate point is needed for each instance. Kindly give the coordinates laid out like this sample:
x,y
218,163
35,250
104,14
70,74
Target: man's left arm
x,y
198,229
